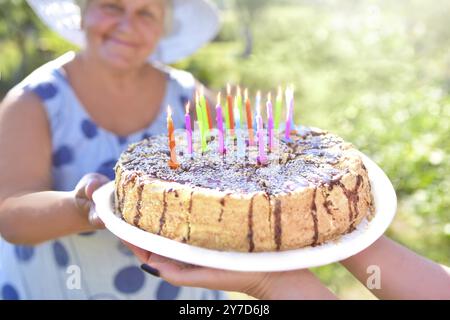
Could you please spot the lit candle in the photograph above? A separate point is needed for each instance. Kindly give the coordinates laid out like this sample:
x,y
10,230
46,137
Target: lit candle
x,y
278,105
262,158
290,111
205,109
173,164
237,118
230,109
270,121
219,120
248,110
187,120
225,114
238,102
257,105
201,122
239,139
208,114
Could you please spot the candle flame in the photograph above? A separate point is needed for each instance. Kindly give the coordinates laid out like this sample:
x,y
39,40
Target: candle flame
x,y
188,107
289,93
228,89
239,91
219,98
258,95
169,111
269,105
280,92
236,113
246,94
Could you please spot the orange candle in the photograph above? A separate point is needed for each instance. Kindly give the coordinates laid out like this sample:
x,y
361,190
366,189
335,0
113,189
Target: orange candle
x,y
208,113
230,108
173,164
248,109
205,108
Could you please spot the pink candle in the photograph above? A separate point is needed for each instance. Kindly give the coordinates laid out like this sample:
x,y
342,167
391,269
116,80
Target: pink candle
x,y
187,119
289,113
219,120
262,158
270,123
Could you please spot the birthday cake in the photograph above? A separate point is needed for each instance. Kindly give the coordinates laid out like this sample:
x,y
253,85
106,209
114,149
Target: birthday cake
x,y
315,188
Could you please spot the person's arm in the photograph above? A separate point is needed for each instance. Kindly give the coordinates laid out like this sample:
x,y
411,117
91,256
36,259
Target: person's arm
x,y
29,214
297,284
403,273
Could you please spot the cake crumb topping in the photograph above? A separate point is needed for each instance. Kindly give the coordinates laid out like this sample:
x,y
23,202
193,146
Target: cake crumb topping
x,y
311,158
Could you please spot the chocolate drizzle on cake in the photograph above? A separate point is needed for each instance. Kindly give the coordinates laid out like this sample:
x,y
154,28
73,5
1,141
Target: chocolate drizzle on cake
x,y
352,198
162,220
130,178
190,202
138,215
222,206
314,217
189,218
117,196
277,227
251,244
327,205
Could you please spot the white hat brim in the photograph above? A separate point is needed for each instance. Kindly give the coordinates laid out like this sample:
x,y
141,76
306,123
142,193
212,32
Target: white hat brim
x,y
195,23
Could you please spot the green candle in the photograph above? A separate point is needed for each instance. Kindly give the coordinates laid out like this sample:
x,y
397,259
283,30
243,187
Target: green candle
x,y
227,117
201,121
278,108
203,106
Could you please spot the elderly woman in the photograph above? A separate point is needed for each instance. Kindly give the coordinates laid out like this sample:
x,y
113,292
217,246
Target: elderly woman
x,y
62,130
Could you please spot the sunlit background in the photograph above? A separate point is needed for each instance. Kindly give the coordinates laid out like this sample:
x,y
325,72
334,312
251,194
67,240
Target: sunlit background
x,y
376,73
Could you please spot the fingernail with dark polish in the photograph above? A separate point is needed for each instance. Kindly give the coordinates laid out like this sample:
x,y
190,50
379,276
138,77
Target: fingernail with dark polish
x,y
150,270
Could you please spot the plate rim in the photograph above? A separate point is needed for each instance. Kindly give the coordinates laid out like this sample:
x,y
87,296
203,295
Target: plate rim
x,y
366,233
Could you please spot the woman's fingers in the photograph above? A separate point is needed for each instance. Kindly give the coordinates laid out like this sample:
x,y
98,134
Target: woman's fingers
x,y
142,254
96,181
83,197
182,274
94,218
88,184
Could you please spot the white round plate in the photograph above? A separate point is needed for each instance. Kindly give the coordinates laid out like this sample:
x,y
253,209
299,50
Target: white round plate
x,y
363,236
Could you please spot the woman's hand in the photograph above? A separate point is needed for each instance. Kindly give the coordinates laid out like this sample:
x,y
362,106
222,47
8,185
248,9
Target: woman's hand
x,y
182,274
298,284
83,198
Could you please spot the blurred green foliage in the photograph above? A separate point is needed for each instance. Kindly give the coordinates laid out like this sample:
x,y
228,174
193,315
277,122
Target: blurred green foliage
x,y
376,72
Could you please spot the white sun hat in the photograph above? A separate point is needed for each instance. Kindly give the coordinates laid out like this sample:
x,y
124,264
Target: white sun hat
x,y
194,23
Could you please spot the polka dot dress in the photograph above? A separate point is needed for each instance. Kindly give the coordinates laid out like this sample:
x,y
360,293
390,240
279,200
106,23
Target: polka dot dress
x,y
93,265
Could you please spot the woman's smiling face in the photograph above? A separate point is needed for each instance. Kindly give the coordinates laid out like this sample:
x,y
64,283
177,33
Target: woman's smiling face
x,y
123,33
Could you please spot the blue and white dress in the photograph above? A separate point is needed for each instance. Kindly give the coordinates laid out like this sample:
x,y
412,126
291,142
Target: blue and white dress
x,y
94,265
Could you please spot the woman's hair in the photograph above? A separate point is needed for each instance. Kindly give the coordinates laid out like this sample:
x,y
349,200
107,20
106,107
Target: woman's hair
x,y
168,18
